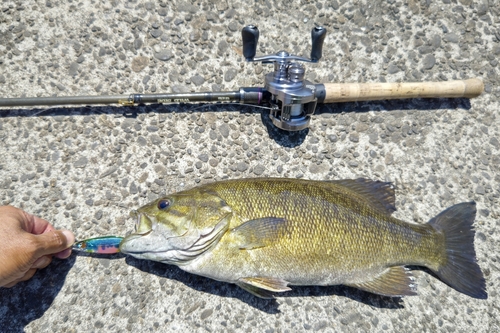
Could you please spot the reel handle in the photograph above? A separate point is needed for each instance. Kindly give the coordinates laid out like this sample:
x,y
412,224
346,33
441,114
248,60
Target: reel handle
x,y
250,37
318,35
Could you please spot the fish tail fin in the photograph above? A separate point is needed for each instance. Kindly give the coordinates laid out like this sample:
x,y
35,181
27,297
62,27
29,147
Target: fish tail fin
x,y
460,269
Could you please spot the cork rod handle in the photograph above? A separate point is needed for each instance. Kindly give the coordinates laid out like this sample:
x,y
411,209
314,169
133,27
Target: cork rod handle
x,y
352,92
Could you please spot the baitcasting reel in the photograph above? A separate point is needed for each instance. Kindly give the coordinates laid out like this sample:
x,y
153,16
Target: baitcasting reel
x,y
293,99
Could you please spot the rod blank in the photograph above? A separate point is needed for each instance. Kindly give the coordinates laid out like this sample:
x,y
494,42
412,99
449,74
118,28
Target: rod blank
x,y
130,99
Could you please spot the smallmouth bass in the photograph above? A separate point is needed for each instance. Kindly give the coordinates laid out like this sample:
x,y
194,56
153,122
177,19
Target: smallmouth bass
x,y
265,234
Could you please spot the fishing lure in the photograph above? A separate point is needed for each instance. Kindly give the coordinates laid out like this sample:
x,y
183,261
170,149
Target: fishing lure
x,y
101,245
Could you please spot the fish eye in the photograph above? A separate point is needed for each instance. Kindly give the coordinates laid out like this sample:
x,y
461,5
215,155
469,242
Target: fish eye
x,y
163,204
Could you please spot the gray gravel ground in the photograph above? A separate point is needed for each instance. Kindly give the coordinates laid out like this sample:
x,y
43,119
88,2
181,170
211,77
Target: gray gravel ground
x,y
85,168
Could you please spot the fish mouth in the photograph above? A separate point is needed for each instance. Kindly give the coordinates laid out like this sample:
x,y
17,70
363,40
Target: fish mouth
x,y
138,243
137,216
132,245
143,223
124,248
143,227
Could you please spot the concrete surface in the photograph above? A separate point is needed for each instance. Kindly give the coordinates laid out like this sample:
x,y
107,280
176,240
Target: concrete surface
x,y
84,168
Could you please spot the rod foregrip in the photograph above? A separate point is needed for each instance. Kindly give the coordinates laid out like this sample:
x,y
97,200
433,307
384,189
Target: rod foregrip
x,y
353,92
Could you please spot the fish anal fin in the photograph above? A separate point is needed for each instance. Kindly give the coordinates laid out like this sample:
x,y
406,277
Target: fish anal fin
x,y
379,194
259,232
396,281
263,287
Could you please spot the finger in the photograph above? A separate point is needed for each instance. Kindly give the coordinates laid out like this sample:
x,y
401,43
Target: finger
x,y
29,274
10,285
63,254
14,217
53,241
36,225
26,221
42,262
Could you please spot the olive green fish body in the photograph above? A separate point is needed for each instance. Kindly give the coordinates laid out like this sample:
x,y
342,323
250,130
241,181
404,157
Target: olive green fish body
x,y
317,242
265,234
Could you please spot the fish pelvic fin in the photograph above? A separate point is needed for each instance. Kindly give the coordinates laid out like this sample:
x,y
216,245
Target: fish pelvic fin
x,y
460,269
380,195
396,281
259,232
263,287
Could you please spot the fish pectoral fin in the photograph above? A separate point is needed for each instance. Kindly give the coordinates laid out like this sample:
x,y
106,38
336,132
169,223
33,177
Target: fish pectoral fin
x,y
396,281
263,287
259,232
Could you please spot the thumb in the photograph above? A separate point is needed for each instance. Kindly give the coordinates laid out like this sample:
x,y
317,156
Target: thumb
x,y
53,241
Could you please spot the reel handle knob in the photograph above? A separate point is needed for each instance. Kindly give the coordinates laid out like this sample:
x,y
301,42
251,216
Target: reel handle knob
x,y
250,36
318,35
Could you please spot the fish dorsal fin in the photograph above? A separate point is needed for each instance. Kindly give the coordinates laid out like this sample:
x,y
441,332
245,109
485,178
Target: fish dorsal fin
x,y
259,232
263,287
396,281
379,195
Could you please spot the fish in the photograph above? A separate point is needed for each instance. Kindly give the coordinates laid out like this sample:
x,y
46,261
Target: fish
x,y
100,245
267,234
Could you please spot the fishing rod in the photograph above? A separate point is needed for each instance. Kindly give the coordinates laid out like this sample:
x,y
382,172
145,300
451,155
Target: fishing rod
x,y
291,99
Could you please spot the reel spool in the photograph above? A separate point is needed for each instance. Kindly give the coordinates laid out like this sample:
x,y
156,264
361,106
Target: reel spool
x,y
293,99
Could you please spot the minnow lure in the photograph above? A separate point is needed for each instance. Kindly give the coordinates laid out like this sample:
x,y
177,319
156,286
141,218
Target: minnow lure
x,y
101,245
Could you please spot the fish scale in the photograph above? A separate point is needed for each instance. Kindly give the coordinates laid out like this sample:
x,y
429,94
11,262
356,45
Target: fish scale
x,y
318,212
267,233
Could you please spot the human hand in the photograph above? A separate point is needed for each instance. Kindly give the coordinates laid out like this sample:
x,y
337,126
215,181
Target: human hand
x,y
28,243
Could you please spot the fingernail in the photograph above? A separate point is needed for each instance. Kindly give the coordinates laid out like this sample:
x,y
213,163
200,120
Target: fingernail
x,y
69,236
